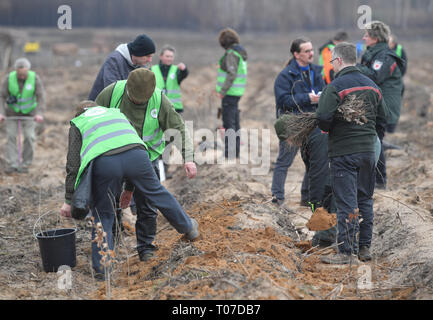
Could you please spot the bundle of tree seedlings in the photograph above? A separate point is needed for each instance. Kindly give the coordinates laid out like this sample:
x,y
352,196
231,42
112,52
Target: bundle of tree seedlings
x,y
295,128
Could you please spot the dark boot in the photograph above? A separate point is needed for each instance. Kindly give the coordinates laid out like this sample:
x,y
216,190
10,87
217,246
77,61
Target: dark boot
x,y
147,252
340,258
364,253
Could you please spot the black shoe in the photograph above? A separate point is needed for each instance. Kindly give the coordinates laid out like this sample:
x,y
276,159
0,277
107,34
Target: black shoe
x,y
10,170
340,258
23,170
321,243
277,201
99,276
364,253
145,255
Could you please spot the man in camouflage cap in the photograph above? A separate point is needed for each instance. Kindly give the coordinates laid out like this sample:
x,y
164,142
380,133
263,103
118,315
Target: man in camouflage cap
x,y
151,113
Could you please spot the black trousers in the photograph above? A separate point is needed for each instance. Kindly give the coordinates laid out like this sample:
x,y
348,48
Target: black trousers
x,y
230,115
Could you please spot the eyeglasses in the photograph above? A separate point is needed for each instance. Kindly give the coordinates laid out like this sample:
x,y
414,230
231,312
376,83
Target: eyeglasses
x,y
334,59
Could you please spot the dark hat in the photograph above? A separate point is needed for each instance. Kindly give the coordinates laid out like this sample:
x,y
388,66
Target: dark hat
x,y
141,85
141,46
281,127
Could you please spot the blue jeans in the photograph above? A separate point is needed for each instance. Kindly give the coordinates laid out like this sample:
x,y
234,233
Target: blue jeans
x,y
286,155
352,181
134,165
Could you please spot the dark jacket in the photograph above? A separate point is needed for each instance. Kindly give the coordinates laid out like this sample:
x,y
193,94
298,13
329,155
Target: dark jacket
x,y
116,67
384,67
290,87
348,137
230,64
404,57
180,74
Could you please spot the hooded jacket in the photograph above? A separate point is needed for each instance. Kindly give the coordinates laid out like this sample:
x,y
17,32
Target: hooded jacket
x,y
116,67
384,67
229,64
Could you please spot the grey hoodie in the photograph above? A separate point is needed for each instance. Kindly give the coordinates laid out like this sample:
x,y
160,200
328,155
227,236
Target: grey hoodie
x,y
116,67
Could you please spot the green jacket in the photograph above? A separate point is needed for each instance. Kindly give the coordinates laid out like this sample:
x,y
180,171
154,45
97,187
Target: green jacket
x,y
348,137
168,118
384,67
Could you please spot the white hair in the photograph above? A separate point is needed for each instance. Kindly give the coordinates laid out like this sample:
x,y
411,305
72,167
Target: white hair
x,y
22,63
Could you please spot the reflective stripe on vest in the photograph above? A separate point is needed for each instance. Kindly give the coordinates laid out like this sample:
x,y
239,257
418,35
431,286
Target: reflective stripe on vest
x,y
102,129
26,100
399,50
152,135
170,87
239,84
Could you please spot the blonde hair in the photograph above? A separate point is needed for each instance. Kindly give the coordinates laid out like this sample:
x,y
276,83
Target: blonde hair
x,y
378,30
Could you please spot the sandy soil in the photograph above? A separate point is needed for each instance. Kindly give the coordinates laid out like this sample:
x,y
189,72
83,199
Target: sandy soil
x,y
249,248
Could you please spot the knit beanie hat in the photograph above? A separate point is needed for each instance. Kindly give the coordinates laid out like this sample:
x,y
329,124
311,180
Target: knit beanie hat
x,y
281,127
141,46
140,85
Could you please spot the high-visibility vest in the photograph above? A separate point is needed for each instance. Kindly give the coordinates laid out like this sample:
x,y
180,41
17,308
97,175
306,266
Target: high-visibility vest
x,y
399,50
170,87
26,100
102,129
238,86
325,61
153,136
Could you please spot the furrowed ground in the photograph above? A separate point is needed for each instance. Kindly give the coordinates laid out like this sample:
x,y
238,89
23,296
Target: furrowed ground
x,y
248,247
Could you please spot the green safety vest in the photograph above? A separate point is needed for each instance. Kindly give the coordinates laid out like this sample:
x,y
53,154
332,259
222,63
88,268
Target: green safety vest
x,y
102,129
170,87
153,136
26,100
399,50
238,86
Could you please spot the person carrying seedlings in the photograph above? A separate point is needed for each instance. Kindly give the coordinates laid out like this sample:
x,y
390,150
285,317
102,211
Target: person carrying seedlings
x,y
105,145
169,76
384,67
325,53
351,149
22,100
230,87
151,114
297,89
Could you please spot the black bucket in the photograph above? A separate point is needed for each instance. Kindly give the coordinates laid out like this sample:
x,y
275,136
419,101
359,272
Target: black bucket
x,y
57,248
